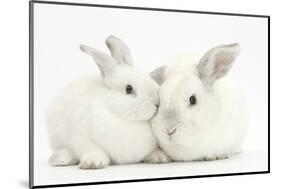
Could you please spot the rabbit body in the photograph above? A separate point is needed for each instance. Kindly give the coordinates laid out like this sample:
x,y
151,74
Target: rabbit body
x,y
102,120
201,117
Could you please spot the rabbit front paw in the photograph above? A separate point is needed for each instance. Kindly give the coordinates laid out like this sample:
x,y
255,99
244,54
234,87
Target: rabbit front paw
x,y
94,160
213,157
157,156
63,157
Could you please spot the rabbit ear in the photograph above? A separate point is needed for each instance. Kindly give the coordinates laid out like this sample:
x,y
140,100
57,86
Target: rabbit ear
x,y
119,50
106,64
217,62
158,74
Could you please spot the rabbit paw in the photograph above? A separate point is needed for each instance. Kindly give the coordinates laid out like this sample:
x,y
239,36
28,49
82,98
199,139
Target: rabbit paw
x,y
157,156
63,157
94,161
223,156
215,157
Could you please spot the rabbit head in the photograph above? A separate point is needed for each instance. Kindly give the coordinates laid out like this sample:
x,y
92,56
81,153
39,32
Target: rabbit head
x,y
189,102
132,94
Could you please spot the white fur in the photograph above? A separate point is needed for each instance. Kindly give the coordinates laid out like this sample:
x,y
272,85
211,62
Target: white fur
x,y
93,121
216,125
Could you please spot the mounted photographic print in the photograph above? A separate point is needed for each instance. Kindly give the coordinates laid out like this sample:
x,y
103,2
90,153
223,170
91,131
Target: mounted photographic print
x,y
126,94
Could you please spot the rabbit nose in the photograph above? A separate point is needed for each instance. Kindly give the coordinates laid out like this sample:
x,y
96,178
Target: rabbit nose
x,y
171,131
156,101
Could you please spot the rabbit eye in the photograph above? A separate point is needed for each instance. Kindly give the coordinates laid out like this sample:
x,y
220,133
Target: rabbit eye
x,y
129,89
192,100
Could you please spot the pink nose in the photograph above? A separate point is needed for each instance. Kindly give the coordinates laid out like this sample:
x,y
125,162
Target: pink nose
x,y
171,131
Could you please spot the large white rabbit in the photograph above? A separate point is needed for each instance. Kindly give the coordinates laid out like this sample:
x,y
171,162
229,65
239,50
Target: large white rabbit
x,y
202,113
102,120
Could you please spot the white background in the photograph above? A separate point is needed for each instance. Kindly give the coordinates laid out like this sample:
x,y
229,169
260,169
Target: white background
x,y
14,96
154,38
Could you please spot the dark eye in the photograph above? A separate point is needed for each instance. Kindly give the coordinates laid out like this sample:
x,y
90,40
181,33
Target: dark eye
x,y
192,100
129,89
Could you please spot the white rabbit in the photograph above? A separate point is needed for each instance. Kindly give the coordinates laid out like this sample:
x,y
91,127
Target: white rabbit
x,y
202,113
97,121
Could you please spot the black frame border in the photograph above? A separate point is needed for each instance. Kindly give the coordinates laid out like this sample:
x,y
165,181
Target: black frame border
x,y
31,92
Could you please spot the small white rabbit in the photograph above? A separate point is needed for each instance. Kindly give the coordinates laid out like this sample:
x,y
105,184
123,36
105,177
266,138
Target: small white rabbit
x,y
202,114
97,121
